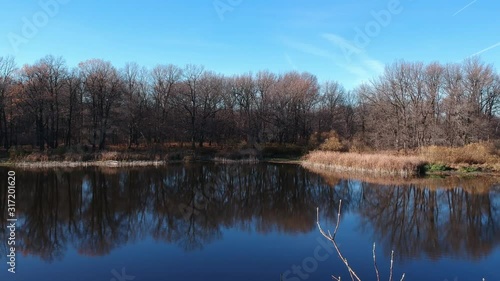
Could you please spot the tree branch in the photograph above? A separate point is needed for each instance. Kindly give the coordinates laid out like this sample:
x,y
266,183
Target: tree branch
x,y
331,238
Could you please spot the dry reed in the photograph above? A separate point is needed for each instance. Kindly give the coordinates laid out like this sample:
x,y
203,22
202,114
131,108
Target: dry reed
x,y
378,164
238,161
474,153
57,164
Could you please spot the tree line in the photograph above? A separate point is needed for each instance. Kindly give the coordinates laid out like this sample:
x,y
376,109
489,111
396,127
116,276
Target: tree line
x,y
48,104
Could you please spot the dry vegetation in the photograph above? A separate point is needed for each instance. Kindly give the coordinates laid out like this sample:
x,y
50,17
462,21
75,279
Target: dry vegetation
x,y
109,163
483,153
474,157
379,164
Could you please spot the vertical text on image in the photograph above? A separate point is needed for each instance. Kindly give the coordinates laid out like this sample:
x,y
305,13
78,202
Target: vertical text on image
x,y
11,221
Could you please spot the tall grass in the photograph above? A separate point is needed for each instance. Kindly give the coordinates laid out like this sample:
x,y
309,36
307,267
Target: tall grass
x,y
108,163
379,164
474,153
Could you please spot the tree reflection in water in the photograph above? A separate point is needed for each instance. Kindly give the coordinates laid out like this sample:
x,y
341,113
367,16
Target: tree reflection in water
x,y
96,210
441,222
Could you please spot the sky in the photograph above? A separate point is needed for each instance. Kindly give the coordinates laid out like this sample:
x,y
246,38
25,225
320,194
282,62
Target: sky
x,y
342,40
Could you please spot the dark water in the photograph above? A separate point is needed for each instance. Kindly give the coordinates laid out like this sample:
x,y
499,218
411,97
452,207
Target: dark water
x,y
242,222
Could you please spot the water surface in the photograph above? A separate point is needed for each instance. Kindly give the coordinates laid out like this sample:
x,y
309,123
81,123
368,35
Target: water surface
x,y
245,222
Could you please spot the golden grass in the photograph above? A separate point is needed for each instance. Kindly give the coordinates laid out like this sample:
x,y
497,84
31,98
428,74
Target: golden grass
x,y
380,164
474,153
483,156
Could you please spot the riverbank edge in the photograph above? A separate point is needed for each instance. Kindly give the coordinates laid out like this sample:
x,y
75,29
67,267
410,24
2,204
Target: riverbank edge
x,y
373,164
375,174
361,171
303,163
135,163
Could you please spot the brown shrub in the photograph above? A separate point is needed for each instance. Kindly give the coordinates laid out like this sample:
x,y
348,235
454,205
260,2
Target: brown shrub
x,y
36,157
109,156
327,141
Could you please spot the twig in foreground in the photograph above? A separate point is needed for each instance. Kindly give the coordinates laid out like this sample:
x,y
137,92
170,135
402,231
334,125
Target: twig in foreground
x,y
331,238
375,263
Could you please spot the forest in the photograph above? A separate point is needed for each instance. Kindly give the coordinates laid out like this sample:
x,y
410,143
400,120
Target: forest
x,y
48,104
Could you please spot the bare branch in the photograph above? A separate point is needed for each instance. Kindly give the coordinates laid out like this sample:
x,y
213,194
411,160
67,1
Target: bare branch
x,y
375,263
392,263
331,238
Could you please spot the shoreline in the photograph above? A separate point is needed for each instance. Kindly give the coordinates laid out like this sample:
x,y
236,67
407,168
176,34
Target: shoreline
x,y
358,170
304,163
372,164
431,162
76,164
335,169
136,163
387,164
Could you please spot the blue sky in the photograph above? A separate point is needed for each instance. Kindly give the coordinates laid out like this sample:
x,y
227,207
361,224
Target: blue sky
x,y
344,40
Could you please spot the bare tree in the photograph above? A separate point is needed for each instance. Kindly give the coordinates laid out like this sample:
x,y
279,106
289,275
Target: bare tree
x,y
7,69
332,102
135,100
265,81
245,94
165,80
45,95
189,99
211,87
103,88
74,108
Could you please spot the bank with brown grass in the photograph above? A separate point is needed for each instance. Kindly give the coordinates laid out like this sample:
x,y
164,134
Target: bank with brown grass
x,y
481,156
375,164
109,163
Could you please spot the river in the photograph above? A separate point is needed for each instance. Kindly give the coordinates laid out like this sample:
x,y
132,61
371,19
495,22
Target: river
x,y
245,222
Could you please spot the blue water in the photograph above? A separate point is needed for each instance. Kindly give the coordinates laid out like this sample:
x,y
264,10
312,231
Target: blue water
x,y
248,222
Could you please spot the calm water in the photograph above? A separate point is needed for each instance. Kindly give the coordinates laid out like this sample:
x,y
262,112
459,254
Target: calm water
x,y
243,222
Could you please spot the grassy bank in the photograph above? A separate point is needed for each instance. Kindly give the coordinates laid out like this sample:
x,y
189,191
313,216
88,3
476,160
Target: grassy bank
x,y
72,164
473,158
118,156
377,164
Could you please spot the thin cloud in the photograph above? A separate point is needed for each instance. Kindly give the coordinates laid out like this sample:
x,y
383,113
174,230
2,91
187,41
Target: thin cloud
x,y
340,42
358,62
466,6
345,55
308,48
487,49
